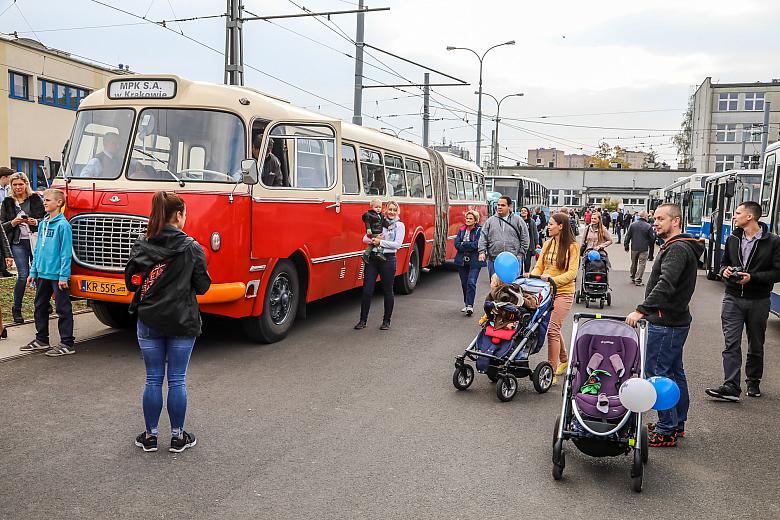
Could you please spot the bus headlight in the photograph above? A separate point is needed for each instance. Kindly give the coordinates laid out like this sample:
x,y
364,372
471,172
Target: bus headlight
x,y
216,241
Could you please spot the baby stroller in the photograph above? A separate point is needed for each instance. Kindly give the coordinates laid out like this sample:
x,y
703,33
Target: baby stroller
x,y
594,282
502,353
604,352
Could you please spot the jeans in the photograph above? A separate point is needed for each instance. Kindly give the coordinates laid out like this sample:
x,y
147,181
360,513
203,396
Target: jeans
x,y
529,257
735,314
386,271
638,263
468,282
22,254
157,350
45,288
665,358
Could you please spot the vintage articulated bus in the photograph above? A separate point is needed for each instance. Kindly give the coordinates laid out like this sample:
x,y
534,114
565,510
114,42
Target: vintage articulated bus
x,y
275,238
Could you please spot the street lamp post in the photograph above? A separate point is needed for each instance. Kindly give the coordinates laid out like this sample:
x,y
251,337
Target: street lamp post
x,y
498,113
479,99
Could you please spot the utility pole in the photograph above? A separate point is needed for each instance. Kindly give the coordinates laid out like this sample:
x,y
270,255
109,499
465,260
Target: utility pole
x,y
495,148
765,132
357,106
234,44
426,107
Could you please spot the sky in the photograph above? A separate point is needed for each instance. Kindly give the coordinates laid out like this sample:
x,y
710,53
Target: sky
x,y
606,70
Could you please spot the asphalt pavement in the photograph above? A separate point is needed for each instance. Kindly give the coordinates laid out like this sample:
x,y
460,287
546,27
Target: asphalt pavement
x,y
337,423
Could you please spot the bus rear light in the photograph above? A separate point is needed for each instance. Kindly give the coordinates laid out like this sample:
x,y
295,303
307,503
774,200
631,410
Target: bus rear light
x,y
216,241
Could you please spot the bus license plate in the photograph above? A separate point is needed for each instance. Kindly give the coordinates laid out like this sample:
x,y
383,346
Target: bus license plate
x,y
97,287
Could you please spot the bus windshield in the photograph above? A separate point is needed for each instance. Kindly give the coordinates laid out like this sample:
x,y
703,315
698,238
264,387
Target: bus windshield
x,y
194,145
696,207
99,143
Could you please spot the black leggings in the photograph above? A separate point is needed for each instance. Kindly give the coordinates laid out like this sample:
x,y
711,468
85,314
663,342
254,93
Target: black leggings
x,y
386,271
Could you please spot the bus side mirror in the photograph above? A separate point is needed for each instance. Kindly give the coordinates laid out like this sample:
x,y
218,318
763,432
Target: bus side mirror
x,y
730,188
249,173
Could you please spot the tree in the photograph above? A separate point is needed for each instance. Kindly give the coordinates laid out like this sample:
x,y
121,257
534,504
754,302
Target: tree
x,y
606,156
683,141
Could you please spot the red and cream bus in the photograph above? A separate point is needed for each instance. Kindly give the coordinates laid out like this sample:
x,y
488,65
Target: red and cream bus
x,y
270,249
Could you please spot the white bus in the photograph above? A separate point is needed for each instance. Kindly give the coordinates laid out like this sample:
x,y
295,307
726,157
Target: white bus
x,y
770,206
688,193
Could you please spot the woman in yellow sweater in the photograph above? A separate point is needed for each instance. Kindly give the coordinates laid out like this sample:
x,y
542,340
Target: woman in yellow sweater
x,y
559,260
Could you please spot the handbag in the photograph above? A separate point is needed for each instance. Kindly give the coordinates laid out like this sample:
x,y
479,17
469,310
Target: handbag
x,y
584,245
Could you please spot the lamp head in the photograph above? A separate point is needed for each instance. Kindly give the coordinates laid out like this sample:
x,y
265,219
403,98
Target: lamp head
x,y
510,42
451,48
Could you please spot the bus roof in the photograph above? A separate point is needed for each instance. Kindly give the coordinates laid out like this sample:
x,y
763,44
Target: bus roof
x,y
729,173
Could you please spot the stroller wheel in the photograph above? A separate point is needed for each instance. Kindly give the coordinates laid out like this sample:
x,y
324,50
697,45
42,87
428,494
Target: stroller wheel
x,y
587,303
577,297
463,377
506,387
559,457
643,444
637,469
542,377
609,299
601,303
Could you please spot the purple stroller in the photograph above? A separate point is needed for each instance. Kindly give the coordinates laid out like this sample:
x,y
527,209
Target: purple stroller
x,y
604,353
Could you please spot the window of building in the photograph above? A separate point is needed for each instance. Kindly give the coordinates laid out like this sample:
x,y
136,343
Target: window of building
x,y
754,101
18,85
751,162
559,198
751,132
34,170
350,184
538,160
726,133
551,164
60,95
728,102
724,162
373,172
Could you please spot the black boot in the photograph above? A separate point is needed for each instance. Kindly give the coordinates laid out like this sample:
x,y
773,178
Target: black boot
x,y
17,314
385,325
360,325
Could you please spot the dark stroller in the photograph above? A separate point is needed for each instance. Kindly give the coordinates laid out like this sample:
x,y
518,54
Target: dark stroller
x,y
604,353
594,282
501,353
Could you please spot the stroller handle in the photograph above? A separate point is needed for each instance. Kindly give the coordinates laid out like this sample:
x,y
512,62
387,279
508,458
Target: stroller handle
x,y
550,281
615,317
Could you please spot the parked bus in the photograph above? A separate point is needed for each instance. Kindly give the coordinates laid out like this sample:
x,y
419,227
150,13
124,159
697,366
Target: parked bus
x,y
524,191
688,193
272,243
770,206
654,199
723,192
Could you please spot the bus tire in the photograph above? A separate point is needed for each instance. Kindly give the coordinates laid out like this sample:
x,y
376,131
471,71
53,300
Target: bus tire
x,y
406,283
113,315
280,306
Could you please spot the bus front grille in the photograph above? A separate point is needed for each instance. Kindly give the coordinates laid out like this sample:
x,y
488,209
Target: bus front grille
x,y
103,241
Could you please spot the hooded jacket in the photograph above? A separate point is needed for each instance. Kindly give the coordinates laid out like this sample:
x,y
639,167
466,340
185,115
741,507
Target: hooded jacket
x,y
54,250
763,264
169,305
672,282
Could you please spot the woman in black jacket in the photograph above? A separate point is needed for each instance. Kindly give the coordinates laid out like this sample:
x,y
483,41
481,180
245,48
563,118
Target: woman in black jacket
x,y
533,235
20,213
167,268
5,250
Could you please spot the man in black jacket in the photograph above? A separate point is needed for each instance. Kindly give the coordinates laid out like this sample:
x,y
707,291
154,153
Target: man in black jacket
x,y
669,291
639,237
750,267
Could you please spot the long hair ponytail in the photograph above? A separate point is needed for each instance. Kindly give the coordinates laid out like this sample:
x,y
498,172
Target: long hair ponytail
x,y
164,206
565,240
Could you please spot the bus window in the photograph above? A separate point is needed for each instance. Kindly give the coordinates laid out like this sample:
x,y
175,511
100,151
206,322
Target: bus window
x,y
349,174
696,207
468,185
459,181
709,198
314,164
452,187
480,187
427,181
373,172
395,176
414,179
87,146
766,188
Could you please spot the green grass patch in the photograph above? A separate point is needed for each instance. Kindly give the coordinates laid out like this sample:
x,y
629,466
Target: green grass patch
x,y
7,300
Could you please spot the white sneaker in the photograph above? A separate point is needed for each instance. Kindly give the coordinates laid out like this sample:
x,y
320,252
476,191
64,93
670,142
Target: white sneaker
x,y
464,309
469,310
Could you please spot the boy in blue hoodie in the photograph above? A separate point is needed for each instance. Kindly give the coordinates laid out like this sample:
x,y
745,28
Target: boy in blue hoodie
x,y
50,272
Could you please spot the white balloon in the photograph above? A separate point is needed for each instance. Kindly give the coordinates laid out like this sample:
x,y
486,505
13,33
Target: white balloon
x,y
638,395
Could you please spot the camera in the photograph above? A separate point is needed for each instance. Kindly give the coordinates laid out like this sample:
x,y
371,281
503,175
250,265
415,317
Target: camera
x,y
737,273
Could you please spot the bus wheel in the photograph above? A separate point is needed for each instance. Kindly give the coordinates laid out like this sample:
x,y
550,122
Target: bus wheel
x,y
113,315
406,283
280,305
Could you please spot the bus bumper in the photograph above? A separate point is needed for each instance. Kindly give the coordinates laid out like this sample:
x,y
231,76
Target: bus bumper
x,y
217,293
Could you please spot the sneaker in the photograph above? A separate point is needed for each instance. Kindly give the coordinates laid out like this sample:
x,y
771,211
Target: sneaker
x,y
18,318
659,440
562,368
753,389
385,325
35,345
60,350
469,310
179,445
555,380
464,309
360,325
6,274
725,392
638,283
146,443
678,432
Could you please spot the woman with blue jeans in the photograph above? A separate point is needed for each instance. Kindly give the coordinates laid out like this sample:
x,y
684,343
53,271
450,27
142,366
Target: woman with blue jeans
x,y
20,213
467,259
390,240
166,270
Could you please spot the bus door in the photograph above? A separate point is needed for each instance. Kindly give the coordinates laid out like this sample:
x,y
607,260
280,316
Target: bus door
x,y
716,229
297,204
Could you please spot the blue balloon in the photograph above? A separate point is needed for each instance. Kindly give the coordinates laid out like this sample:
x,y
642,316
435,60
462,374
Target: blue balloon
x,y
667,392
507,267
593,255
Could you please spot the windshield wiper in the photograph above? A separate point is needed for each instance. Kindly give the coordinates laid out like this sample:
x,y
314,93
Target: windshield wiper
x,y
181,182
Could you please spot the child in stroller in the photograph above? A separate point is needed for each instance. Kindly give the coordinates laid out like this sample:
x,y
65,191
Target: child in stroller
x,y
594,282
508,336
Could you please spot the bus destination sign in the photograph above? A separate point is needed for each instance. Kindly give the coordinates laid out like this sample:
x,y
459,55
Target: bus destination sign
x,y
142,89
